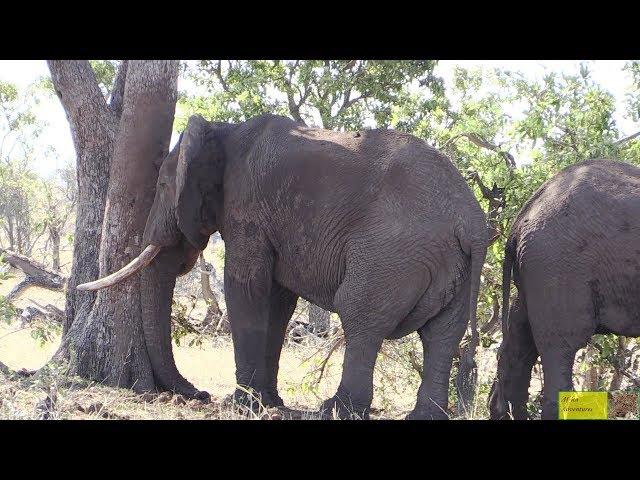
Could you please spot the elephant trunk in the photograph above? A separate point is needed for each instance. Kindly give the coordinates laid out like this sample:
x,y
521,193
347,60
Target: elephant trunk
x,y
156,291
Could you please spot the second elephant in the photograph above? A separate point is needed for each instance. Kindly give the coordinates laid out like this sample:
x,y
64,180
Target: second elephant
x,y
574,250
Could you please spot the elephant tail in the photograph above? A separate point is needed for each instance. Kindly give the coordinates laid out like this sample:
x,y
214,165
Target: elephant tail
x,y
507,268
478,254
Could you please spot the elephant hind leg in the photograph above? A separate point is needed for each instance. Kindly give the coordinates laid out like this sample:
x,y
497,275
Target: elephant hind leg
x,y
557,367
560,329
371,303
440,337
517,355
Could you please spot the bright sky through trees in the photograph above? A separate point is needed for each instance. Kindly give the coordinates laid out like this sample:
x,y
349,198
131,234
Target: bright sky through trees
x,y
608,73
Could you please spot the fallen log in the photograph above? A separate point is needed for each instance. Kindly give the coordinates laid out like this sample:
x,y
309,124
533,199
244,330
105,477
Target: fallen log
x,y
5,370
49,312
35,274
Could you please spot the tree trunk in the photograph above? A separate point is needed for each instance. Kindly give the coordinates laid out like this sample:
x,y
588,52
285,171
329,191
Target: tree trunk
x,y
619,364
592,375
54,236
19,240
207,292
107,343
12,242
93,127
213,309
318,319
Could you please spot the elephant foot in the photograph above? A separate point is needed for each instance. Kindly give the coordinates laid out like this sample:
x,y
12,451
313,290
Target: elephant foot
x,y
338,408
201,395
182,386
255,400
421,413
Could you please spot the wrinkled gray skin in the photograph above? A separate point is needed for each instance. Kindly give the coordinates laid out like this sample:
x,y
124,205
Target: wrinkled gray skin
x,y
574,250
374,225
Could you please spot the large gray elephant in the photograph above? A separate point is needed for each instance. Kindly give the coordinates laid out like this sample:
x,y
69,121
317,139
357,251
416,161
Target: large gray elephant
x,y
374,225
574,250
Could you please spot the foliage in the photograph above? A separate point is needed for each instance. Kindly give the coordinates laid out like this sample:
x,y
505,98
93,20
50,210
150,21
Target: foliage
x,y
18,203
336,94
633,97
505,131
44,331
7,311
105,72
182,324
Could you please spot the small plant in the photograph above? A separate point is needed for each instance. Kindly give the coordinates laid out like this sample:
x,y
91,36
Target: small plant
x,y
182,323
44,331
7,311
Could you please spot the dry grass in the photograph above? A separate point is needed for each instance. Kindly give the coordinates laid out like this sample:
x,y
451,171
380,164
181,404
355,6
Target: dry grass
x,y
210,367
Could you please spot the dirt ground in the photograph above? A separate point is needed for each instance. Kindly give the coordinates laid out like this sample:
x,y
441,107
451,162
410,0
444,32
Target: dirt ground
x,y
210,367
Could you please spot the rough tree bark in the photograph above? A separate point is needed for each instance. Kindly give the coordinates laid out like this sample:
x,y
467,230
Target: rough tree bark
x,y
592,375
93,126
619,357
104,339
213,308
54,236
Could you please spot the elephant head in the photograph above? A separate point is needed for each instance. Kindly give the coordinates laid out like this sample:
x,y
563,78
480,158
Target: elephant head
x,y
188,201
185,212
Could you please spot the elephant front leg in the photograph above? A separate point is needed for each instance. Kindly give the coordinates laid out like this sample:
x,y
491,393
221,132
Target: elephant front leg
x,y
256,342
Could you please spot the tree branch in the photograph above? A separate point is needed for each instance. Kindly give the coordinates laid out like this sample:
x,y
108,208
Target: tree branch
x,y
218,73
75,84
483,143
490,327
19,288
5,370
117,92
35,272
495,196
486,192
624,140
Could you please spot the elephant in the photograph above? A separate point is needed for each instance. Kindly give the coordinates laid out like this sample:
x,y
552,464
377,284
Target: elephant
x,y
374,225
574,251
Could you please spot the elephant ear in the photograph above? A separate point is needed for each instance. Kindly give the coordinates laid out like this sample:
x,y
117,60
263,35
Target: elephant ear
x,y
198,181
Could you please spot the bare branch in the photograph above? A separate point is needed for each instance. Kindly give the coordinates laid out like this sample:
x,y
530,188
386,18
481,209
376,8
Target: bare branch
x,y
294,108
486,192
483,143
117,92
624,140
75,84
35,272
495,195
492,325
218,73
